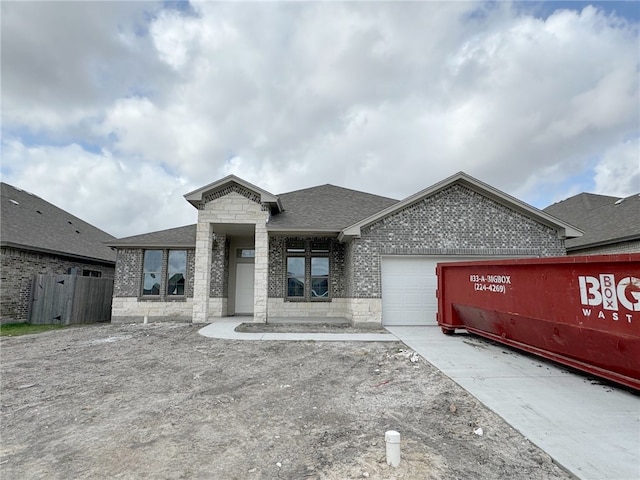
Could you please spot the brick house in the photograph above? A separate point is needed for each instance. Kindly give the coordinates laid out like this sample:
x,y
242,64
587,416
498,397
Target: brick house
x,y
324,251
610,224
37,237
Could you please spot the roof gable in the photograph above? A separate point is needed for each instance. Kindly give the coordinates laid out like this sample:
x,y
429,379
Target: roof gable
x,y
564,229
603,218
232,183
31,223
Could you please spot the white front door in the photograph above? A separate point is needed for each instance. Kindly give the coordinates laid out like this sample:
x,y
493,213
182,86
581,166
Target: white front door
x,y
244,288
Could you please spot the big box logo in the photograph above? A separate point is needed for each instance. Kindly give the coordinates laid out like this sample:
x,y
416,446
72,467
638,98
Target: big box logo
x,y
610,294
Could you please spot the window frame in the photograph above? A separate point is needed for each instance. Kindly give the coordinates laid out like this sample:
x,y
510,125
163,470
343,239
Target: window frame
x,y
317,276
308,249
91,273
294,276
164,273
147,270
171,273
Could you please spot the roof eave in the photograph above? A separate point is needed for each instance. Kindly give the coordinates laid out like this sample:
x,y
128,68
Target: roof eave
x,y
138,245
56,252
304,231
349,233
603,243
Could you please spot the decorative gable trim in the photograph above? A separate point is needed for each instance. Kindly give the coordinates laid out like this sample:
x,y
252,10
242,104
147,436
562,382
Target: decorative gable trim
x,y
251,195
231,188
198,198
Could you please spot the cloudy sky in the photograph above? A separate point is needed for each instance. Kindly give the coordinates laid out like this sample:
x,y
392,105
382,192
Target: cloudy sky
x,y
114,110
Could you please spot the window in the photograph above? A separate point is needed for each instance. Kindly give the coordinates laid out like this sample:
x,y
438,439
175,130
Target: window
x,y
164,273
319,247
307,270
296,246
320,277
176,272
295,276
152,272
91,273
246,253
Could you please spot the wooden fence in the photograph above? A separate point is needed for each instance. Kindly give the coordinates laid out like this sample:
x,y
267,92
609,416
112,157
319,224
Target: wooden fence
x,y
70,299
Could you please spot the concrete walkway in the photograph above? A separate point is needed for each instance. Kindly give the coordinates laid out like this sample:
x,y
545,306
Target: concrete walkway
x,y
590,429
225,329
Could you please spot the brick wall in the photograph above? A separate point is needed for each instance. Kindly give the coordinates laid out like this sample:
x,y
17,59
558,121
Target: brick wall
x,y
219,287
18,267
455,221
128,275
277,266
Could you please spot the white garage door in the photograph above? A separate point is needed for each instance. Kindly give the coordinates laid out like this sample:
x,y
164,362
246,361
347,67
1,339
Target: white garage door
x,y
409,289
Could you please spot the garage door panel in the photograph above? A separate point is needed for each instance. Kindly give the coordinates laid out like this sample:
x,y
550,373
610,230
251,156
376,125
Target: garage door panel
x,y
417,300
409,286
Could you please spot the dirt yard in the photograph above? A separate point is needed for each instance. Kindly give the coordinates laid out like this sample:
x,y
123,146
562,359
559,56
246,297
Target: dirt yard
x,y
160,401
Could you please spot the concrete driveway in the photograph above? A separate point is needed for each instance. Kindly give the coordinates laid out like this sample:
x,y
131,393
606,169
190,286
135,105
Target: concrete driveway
x,y
591,429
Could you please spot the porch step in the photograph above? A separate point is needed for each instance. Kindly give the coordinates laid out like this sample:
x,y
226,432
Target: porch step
x,y
340,321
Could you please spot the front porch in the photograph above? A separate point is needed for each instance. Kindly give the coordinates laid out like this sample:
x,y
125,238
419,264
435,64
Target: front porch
x,y
235,218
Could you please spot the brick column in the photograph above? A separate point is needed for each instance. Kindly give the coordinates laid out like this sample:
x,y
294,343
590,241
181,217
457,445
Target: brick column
x,y
202,273
261,272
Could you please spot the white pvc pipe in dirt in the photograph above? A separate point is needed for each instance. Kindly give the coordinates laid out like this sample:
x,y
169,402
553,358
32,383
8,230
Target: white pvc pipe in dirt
x,y
392,439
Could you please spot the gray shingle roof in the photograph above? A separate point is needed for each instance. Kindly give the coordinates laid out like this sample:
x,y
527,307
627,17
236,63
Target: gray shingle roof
x,y
604,219
29,222
326,208
180,237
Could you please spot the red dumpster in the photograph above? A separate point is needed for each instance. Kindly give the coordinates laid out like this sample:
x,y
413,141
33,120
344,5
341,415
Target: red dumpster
x,y
583,311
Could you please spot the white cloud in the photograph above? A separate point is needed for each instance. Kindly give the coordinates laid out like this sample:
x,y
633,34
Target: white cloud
x,y
175,36
618,172
382,97
116,195
62,62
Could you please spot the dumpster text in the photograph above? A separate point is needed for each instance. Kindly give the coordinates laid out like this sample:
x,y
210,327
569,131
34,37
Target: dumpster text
x,y
490,283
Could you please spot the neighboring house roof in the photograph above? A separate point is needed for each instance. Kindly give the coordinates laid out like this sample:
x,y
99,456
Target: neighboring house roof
x,y
180,237
31,223
325,208
605,219
564,229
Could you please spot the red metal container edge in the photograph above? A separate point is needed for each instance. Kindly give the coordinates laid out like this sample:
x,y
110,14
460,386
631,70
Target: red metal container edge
x,y
500,311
